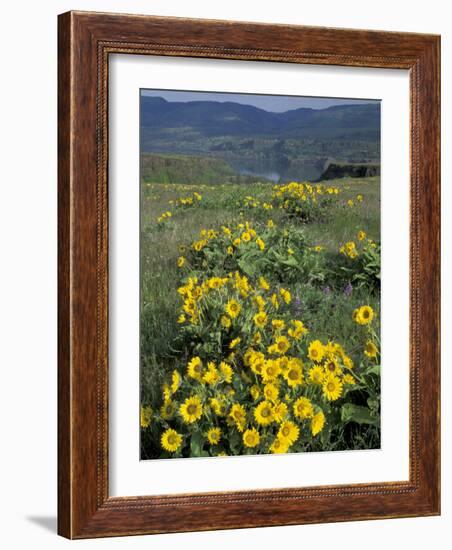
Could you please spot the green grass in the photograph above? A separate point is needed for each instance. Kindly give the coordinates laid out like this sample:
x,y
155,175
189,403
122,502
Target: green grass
x,y
174,168
325,309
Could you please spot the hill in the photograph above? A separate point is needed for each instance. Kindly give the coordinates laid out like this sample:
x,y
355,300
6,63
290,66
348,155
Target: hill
x,y
296,144
336,170
213,118
189,169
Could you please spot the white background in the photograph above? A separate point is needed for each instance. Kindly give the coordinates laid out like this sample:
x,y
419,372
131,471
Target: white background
x,y
28,270
128,475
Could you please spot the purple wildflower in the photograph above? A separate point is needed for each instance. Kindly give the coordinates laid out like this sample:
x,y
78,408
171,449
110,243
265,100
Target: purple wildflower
x,y
348,289
297,306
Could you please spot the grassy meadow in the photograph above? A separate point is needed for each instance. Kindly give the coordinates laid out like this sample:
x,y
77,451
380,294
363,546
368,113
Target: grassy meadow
x,y
259,318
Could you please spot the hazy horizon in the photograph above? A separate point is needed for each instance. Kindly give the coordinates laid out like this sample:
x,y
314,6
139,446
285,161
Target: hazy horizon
x,y
270,103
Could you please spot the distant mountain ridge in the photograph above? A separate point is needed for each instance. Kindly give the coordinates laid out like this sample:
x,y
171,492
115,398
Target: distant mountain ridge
x,y
213,118
295,144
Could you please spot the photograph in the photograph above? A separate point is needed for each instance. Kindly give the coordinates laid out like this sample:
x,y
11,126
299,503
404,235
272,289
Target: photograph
x,y
203,346
259,274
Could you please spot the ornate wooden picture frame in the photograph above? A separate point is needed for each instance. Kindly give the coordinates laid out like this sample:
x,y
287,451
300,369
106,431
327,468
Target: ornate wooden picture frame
x,y
86,40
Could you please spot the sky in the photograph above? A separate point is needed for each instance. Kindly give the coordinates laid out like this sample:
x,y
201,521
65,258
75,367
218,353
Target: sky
x,y
273,103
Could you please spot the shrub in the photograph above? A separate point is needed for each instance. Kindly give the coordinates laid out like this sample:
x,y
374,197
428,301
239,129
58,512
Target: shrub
x,y
302,201
256,381
282,255
359,263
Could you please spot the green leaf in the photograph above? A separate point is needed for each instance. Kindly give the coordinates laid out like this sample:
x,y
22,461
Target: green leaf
x,y
237,383
196,444
325,436
358,414
247,267
374,370
290,261
373,403
234,442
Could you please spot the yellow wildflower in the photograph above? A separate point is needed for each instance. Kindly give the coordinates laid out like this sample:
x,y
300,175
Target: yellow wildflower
x,y
363,315
303,408
263,413
194,368
234,343
191,409
225,321
278,324
251,438
260,243
238,416
171,440
214,436
316,351
317,423
288,432
145,416
168,409
370,349
286,296
278,446
332,388
226,371
233,308
260,319
263,283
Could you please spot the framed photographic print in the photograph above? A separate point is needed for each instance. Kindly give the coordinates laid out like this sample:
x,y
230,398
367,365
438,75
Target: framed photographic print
x,y
248,275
